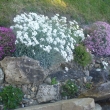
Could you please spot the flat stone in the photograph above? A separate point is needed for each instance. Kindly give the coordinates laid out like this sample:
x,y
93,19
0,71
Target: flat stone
x,y
73,104
99,92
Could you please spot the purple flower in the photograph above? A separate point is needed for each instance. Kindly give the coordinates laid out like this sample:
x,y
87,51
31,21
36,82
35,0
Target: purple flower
x,y
99,40
7,42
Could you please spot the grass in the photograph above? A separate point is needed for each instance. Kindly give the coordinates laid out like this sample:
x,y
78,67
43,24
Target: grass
x,y
84,11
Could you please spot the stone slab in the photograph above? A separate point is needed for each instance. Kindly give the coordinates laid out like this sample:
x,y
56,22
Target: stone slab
x,y
72,104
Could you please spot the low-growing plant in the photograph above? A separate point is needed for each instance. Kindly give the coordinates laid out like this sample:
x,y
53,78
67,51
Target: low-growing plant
x,y
69,89
98,40
53,81
88,85
7,42
11,97
81,56
49,40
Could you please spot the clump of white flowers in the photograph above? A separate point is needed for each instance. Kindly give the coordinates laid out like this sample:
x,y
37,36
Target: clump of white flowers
x,y
50,34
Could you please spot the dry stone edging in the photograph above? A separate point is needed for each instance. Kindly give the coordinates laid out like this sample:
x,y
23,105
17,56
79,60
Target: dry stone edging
x,y
72,104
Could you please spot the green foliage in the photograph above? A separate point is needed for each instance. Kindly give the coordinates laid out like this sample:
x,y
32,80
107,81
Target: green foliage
x,y
81,55
88,85
11,97
80,10
69,89
54,81
46,59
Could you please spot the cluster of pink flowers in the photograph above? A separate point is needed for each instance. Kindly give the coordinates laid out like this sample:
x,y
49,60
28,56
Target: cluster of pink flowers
x,y
98,40
7,42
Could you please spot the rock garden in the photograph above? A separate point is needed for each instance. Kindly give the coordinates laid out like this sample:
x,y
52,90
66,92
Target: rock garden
x,y
54,63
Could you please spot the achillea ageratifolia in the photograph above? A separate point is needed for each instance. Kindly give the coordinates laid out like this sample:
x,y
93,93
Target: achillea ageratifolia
x,y
98,40
7,42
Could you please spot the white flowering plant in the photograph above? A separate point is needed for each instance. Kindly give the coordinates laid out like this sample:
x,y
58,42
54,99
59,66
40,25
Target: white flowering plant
x,y
49,40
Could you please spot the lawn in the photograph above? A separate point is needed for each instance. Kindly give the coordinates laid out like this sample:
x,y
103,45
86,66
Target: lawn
x,y
84,11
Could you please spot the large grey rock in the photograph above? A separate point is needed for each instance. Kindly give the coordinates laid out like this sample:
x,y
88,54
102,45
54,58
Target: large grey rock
x,y
1,76
99,76
22,70
99,92
48,93
73,104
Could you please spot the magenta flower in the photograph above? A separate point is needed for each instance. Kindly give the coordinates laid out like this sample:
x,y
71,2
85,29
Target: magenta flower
x,y
99,40
7,42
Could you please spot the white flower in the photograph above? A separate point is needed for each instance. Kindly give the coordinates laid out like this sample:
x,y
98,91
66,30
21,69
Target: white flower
x,y
56,49
66,68
47,48
98,69
49,33
34,33
104,63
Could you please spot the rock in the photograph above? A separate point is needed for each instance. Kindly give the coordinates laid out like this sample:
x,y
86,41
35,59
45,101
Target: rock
x,y
28,96
47,93
70,74
99,92
73,104
99,76
97,65
106,107
22,70
34,89
89,78
97,107
1,107
32,95
24,101
24,89
1,76
84,79
86,73
48,80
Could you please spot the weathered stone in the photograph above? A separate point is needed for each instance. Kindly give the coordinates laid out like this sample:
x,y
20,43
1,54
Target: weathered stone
x,y
70,74
33,89
73,104
22,70
32,95
1,76
24,89
97,107
99,92
99,76
48,80
47,93
86,73
1,107
84,79
28,96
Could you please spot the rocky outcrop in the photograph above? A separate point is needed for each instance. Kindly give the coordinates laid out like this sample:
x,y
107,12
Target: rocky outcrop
x,y
99,92
48,93
22,70
73,104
